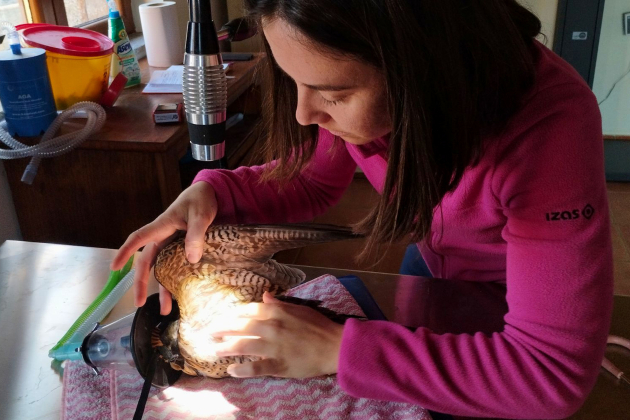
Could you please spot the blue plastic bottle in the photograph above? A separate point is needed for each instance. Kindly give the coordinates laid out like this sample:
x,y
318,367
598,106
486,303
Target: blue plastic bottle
x,y
25,91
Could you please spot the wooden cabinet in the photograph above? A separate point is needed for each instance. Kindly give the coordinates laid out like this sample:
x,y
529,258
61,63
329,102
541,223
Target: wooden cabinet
x,y
126,174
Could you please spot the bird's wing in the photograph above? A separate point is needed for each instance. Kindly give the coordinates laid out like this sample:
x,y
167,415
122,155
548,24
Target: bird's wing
x,y
249,246
280,275
247,286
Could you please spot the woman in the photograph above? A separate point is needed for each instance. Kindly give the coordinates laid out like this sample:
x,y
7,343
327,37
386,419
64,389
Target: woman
x,y
487,151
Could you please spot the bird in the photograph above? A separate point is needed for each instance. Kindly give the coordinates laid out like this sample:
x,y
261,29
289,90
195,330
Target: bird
x,y
236,268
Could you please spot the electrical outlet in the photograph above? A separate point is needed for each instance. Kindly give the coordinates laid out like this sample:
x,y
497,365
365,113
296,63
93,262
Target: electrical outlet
x,y
626,23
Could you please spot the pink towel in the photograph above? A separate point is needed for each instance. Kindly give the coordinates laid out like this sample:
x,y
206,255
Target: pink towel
x,y
116,395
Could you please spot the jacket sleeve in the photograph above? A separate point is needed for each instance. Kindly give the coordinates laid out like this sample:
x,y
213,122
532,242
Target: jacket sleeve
x,y
559,289
243,198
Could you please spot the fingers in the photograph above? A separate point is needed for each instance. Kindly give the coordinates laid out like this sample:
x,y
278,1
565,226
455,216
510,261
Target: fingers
x,y
251,346
193,210
253,310
143,269
265,367
155,231
200,214
195,238
243,327
268,298
144,262
166,302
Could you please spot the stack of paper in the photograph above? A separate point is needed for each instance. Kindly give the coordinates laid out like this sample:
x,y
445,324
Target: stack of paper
x,y
169,80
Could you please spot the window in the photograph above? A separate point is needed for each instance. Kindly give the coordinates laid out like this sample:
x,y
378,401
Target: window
x,y
91,13
13,11
81,11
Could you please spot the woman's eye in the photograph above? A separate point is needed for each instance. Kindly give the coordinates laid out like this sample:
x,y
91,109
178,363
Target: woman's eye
x,y
332,102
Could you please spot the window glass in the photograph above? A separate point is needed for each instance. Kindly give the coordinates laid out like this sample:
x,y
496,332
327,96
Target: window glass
x,y
81,11
12,11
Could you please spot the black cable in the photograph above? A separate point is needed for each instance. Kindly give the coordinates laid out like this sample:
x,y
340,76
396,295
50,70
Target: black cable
x,y
144,395
613,87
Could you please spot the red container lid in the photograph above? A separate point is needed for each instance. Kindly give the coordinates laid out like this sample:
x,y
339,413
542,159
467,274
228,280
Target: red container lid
x,y
69,41
22,26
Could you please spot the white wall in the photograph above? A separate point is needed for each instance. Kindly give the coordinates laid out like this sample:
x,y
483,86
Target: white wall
x,y
547,11
219,13
9,228
613,61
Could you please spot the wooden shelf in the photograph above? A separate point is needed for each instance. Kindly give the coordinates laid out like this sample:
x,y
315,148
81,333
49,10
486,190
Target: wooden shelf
x,y
618,138
127,173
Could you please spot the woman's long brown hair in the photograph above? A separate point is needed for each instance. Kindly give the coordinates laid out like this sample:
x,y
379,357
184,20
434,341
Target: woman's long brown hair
x,y
455,72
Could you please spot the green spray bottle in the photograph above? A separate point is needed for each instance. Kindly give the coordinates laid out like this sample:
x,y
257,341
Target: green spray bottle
x,y
124,59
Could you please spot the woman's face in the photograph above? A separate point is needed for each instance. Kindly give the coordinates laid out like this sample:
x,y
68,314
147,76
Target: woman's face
x,y
344,96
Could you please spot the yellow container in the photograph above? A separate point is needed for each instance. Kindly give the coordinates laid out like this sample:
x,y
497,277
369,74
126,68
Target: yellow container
x,y
78,62
75,79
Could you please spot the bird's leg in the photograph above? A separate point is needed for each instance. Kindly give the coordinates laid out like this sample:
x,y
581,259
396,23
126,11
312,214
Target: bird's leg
x,y
165,343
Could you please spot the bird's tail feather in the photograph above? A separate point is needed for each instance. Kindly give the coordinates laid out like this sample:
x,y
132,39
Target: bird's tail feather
x,y
287,236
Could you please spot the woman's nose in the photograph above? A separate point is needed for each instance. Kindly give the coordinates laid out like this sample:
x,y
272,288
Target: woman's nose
x,y
308,111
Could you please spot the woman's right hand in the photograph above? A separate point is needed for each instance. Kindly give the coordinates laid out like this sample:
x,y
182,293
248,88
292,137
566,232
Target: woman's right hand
x,y
193,211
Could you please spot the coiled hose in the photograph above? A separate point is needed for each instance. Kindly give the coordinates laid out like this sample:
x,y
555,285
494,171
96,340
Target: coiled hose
x,y
51,146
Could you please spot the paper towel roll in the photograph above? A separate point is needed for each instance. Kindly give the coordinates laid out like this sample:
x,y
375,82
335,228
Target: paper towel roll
x,y
161,34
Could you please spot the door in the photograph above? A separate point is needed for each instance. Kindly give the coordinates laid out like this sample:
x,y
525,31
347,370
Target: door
x,y
577,34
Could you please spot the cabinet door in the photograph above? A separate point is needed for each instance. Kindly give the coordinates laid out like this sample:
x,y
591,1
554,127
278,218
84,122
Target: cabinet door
x,y
577,34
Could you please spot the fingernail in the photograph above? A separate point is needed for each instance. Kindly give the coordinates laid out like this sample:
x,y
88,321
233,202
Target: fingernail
x,y
192,257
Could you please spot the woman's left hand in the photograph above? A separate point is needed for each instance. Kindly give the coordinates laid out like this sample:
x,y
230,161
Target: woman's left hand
x,y
294,341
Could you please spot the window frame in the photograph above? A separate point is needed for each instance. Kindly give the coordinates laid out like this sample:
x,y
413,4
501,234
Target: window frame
x,y
51,11
54,11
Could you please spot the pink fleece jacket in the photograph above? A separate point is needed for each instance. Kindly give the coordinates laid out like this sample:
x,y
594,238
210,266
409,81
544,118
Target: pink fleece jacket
x,y
533,213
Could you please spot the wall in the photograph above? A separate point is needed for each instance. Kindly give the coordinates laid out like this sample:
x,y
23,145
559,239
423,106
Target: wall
x,y
9,228
235,9
135,4
613,61
547,11
219,14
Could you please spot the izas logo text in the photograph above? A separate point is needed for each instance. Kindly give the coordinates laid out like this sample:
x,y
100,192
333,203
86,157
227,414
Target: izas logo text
x,y
587,212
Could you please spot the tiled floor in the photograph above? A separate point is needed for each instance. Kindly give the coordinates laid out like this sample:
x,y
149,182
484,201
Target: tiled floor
x,y
360,197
